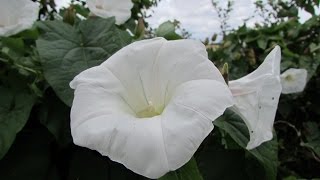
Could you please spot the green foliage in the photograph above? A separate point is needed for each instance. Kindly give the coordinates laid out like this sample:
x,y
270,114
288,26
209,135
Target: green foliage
x,y
15,107
30,157
189,171
244,50
266,153
86,164
313,137
67,50
37,65
55,115
224,151
167,30
215,161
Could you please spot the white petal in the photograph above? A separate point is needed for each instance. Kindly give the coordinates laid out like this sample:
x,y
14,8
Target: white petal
x,y
132,66
16,16
102,120
257,96
152,69
136,143
178,62
293,80
120,9
187,119
108,98
111,95
150,146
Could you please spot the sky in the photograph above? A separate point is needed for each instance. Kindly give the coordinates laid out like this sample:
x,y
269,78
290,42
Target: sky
x,y
199,17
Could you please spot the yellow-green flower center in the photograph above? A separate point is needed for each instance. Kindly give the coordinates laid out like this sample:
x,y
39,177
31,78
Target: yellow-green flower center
x,y
150,111
289,78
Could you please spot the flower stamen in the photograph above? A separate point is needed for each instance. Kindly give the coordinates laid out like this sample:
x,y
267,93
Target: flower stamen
x,y
150,111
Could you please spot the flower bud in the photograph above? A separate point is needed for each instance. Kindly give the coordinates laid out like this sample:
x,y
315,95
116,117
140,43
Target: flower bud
x,y
225,72
69,15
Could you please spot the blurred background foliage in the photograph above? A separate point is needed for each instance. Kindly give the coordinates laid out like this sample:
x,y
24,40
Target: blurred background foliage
x,y
297,120
35,139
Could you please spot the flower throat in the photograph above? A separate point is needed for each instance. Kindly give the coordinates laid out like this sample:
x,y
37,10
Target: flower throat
x,y
148,112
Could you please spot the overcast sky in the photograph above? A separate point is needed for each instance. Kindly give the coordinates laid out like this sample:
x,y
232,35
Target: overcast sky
x,y
199,17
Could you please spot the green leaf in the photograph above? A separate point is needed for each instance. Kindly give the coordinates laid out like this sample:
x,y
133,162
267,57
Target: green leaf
x,y
311,64
262,43
20,56
266,153
188,171
31,34
14,44
67,50
216,162
15,108
253,36
30,157
167,30
313,137
294,11
87,164
314,47
309,8
55,115
81,10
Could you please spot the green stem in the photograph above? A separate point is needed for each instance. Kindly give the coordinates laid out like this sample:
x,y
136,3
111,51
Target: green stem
x,y
26,68
4,60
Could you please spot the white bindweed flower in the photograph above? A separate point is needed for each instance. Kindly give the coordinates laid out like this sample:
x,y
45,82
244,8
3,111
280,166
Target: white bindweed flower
x,y
293,80
150,105
256,98
17,15
120,9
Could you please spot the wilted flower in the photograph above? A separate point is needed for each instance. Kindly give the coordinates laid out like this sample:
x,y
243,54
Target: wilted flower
x,y
120,9
150,105
16,16
256,98
293,80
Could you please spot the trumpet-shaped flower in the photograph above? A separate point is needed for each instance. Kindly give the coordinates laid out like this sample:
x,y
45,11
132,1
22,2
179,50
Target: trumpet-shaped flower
x,y
256,98
16,16
293,80
120,9
150,105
